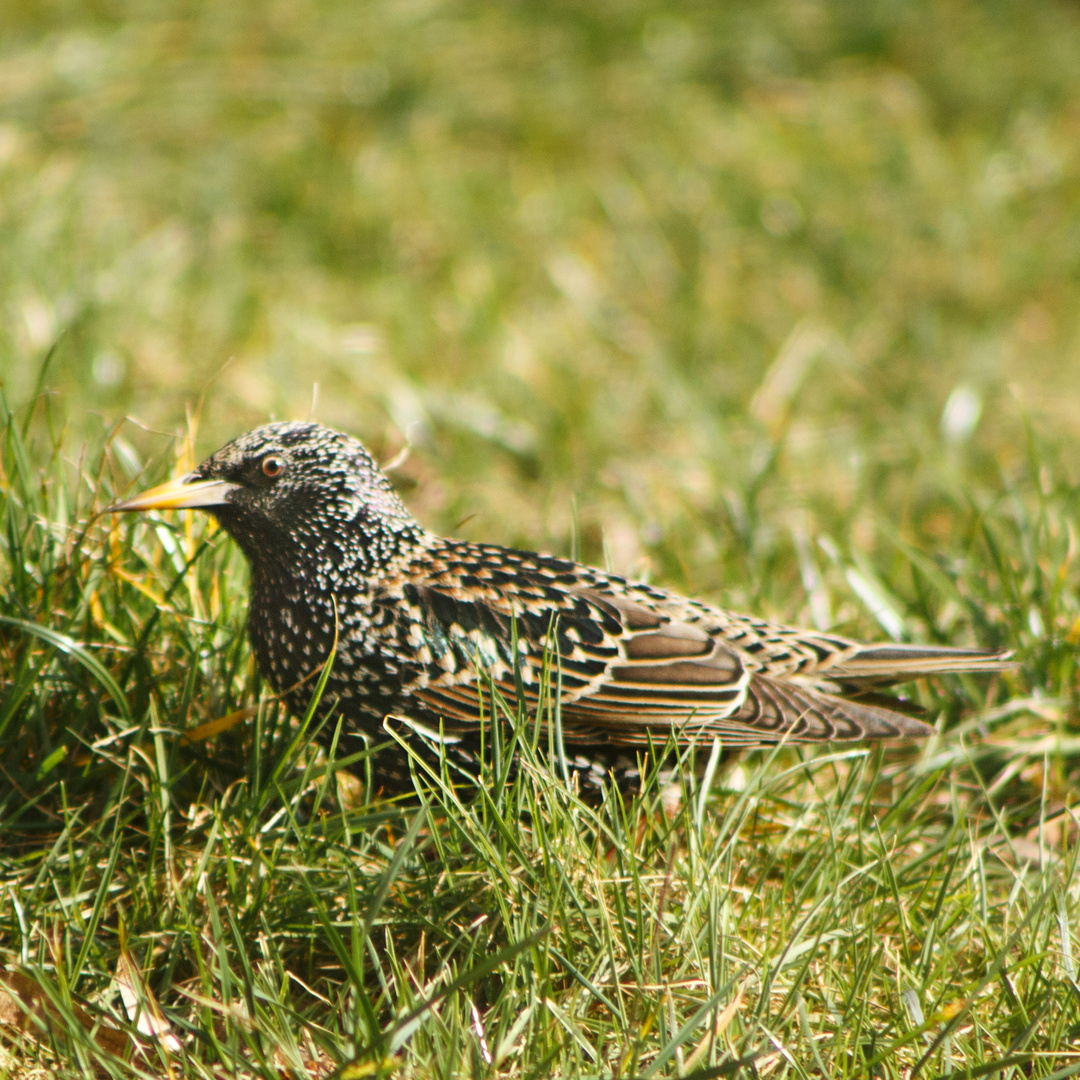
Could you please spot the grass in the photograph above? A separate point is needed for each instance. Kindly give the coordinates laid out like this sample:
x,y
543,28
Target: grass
x,y
775,303
232,904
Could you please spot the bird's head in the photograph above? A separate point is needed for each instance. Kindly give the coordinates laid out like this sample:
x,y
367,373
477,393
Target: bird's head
x,y
286,484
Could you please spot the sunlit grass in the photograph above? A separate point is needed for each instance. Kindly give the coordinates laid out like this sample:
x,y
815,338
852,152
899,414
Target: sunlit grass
x,y
233,903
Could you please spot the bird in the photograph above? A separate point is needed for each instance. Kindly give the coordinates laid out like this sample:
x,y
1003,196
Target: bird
x,y
417,627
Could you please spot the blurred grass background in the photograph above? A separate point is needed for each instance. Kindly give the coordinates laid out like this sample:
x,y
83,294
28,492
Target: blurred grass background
x,y
558,246
775,302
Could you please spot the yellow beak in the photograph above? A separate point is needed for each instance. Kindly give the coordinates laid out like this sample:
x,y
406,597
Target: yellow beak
x,y
181,494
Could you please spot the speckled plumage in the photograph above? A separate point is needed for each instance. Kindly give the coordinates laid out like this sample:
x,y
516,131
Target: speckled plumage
x,y
333,550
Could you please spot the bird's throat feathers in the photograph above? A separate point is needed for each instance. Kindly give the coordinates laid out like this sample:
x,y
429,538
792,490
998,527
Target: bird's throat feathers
x,y
347,548
316,586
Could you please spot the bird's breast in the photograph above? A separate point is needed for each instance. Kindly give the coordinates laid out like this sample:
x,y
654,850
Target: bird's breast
x,y
293,630
290,635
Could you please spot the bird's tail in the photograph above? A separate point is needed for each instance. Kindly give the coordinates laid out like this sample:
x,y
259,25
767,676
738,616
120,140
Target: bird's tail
x,y
884,664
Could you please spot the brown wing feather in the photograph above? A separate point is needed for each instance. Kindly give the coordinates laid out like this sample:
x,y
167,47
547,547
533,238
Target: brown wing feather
x,y
641,677
636,667
782,709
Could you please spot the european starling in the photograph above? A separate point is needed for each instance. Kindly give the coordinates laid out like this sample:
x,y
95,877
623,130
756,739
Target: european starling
x,y
336,556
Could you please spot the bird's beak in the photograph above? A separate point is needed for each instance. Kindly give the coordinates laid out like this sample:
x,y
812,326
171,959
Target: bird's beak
x,y
182,494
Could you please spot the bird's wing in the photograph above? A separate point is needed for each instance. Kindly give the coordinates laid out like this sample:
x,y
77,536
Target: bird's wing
x,y
629,674
807,656
676,675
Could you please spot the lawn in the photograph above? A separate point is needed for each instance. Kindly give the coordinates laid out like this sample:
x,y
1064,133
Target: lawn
x,y
776,303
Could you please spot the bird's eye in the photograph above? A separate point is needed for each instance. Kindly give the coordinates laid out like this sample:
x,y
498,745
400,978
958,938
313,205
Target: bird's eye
x,y
273,467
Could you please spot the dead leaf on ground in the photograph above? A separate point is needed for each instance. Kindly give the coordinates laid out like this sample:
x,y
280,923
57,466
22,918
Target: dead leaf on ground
x,y
26,1007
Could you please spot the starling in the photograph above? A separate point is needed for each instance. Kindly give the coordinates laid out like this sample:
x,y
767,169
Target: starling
x,y
422,622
